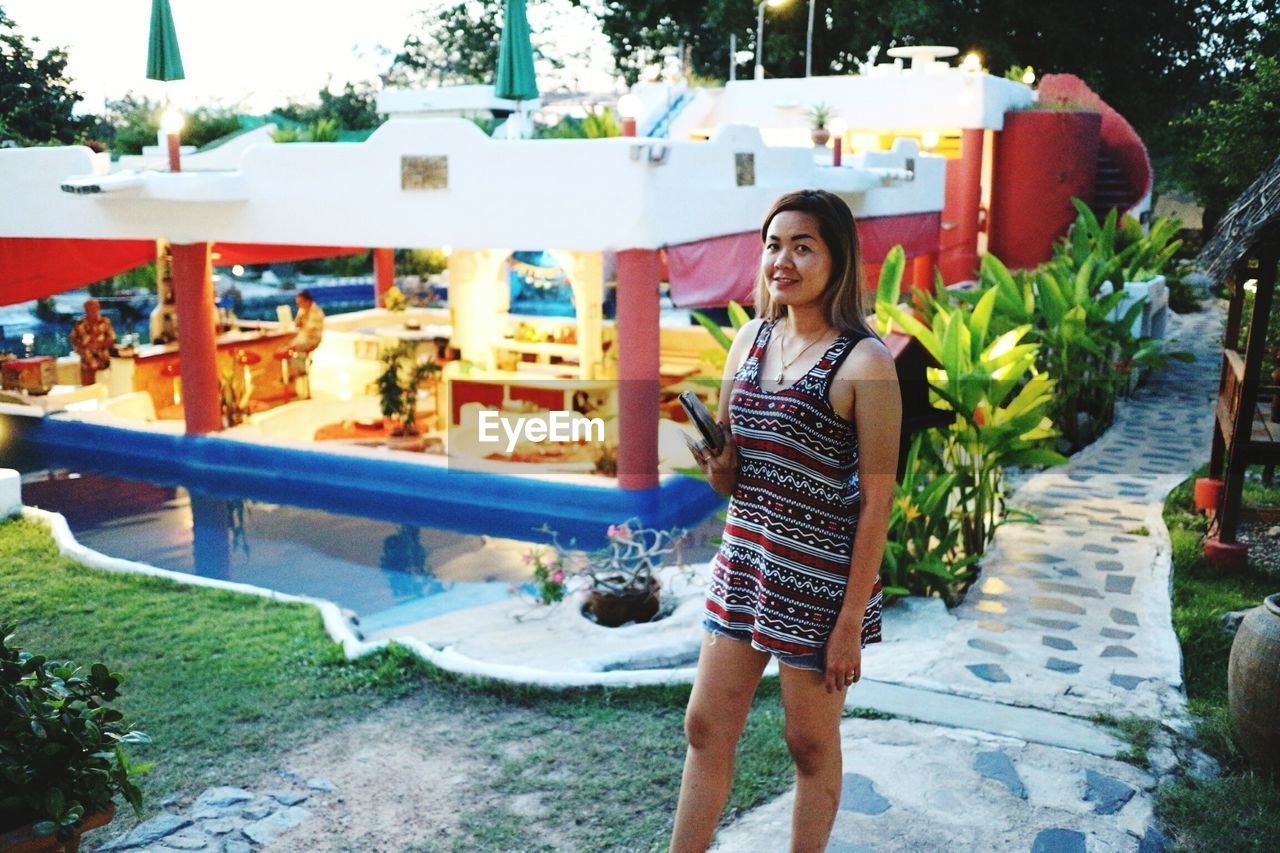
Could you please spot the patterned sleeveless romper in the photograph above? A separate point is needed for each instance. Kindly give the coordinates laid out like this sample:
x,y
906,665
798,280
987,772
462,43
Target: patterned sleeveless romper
x,y
779,578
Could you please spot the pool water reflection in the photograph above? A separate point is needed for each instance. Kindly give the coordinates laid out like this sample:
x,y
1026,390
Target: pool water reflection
x,y
387,573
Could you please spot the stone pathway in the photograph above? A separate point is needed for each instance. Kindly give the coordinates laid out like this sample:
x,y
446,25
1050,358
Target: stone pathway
x,y
1071,618
226,819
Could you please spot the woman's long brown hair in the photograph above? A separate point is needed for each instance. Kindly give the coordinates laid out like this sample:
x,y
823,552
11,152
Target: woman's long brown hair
x,y
845,299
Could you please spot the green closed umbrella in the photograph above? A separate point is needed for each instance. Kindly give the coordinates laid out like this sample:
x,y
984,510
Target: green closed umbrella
x,y
516,80
164,61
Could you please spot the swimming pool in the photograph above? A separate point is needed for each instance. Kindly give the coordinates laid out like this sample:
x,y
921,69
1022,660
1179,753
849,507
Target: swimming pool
x,y
387,573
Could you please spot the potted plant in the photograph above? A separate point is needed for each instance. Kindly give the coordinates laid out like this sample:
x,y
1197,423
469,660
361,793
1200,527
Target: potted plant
x,y
818,116
402,373
61,762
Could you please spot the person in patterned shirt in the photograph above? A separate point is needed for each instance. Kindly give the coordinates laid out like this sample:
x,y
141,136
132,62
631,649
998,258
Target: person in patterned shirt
x,y
92,339
812,411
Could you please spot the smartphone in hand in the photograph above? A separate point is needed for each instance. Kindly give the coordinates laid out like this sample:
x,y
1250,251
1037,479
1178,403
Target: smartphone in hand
x,y
701,417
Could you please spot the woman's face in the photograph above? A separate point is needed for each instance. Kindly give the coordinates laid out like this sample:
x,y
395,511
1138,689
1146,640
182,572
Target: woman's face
x,y
796,261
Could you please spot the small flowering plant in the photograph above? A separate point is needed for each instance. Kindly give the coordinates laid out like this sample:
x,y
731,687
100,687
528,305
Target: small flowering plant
x,y
624,567
548,573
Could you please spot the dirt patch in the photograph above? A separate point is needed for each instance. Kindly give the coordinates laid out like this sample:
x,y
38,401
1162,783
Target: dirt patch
x,y
400,781
408,778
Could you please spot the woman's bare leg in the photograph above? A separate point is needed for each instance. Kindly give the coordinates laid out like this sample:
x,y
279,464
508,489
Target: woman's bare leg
x,y
813,737
728,672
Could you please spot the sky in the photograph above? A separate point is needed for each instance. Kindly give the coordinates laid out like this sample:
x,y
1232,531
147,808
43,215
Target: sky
x,y
254,55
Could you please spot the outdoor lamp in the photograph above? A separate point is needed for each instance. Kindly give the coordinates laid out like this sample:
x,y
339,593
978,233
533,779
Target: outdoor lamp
x,y
929,140
28,343
760,34
972,62
171,125
1029,76
629,109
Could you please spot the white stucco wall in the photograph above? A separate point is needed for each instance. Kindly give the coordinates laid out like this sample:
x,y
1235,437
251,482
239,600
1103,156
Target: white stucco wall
x,y
574,194
887,99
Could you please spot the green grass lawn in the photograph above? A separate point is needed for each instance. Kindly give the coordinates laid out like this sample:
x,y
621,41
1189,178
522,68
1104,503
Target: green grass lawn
x,y
1241,810
226,684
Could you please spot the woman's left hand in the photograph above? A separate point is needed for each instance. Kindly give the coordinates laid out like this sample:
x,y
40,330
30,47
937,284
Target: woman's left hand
x,y
844,654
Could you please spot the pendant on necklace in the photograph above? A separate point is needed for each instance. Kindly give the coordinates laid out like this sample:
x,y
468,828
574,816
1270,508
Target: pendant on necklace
x,y
779,380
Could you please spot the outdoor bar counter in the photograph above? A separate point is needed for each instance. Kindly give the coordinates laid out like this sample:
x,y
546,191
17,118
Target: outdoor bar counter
x,y
155,367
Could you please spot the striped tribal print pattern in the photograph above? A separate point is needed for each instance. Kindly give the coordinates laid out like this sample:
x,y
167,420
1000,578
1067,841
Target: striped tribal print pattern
x,y
783,563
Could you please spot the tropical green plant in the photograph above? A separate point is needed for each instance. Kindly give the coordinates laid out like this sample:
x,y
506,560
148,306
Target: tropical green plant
x,y
402,373
550,569
738,317
1118,246
922,553
60,742
1001,403
819,114
601,125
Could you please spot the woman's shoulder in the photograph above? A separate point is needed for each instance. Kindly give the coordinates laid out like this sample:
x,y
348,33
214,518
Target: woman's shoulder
x,y
868,358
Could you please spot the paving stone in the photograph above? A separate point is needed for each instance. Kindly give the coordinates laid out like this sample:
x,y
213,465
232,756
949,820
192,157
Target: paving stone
x,y
149,832
1115,633
257,811
992,626
1058,643
1044,602
1118,652
1095,548
236,845
988,671
287,798
1153,841
1060,665
1120,584
1110,566
988,646
995,586
1068,589
218,826
1056,840
322,785
1068,573
1107,793
858,794
270,828
1123,617
1055,624
990,607
188,839
998,765
223,796
1128,682
1021,572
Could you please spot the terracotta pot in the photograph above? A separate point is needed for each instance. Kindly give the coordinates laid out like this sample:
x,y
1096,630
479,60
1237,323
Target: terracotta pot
x,y
820,135
614,610
21,840
1253,685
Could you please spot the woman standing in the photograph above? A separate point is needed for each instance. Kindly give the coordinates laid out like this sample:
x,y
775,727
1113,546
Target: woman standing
x,y
810,398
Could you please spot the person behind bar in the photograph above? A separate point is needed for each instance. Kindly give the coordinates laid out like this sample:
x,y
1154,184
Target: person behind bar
x,y
164,317
92,338
310,322
811,409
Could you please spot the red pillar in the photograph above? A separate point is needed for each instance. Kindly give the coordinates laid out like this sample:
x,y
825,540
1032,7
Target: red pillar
x,y
639,274
959,257
198,348
384,274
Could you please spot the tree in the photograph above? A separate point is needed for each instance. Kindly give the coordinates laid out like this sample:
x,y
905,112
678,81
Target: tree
x,y
457,43
354,108
1233,138
36,98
